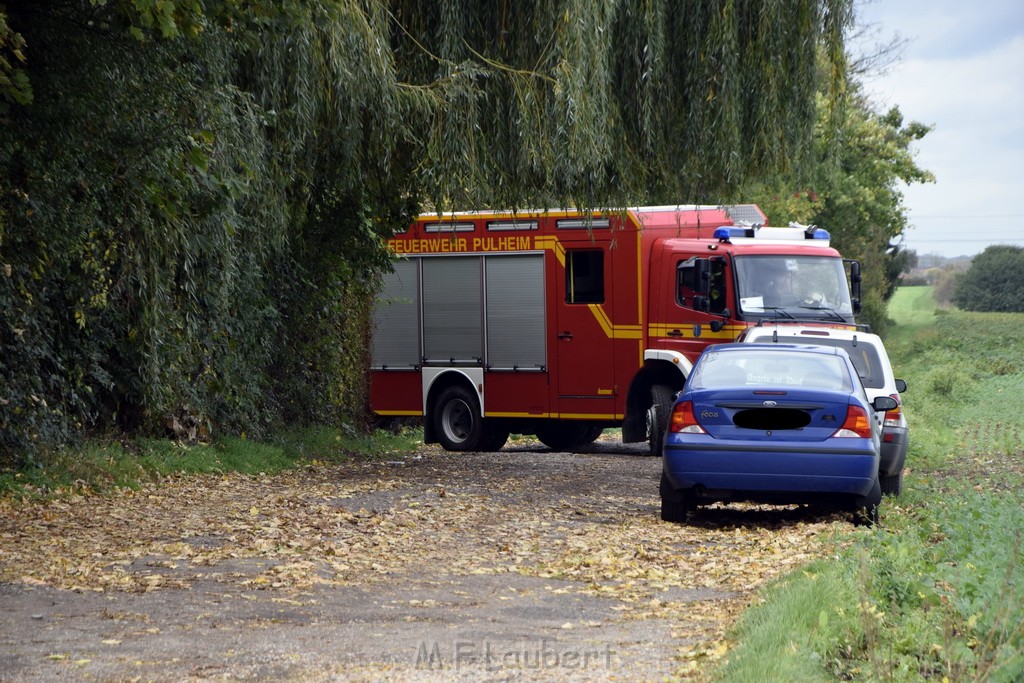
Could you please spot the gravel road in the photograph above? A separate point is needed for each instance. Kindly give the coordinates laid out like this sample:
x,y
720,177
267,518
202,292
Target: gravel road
x,y
519,565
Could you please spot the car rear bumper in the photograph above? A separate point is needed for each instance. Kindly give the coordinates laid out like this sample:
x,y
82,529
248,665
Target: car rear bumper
x,y
894,452
843,468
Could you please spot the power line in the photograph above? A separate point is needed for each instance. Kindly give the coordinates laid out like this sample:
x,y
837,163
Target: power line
x,y
966,215
966,240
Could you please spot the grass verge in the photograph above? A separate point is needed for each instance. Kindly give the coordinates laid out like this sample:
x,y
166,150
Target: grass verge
x,y
938,590
103,464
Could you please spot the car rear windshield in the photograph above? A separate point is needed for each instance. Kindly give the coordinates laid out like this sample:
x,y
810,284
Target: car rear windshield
x,y
773,369
864,356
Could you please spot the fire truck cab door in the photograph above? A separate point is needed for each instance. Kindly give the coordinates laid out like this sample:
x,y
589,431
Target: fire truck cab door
x,y
687,329
584,375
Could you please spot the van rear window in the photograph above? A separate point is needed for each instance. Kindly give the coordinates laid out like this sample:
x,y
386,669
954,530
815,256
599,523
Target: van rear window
x,y
864,356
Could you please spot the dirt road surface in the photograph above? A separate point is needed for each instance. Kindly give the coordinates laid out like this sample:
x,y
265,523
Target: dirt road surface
x,y
517,565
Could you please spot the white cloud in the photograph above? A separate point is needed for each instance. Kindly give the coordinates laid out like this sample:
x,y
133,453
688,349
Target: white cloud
x,y
960,78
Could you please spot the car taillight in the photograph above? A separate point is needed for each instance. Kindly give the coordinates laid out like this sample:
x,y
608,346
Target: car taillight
x,y
683,420
856,424
892,417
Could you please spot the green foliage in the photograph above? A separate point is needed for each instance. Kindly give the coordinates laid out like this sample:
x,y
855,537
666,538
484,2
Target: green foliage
x,y
163,210
14,83
851,187
938,590
994,282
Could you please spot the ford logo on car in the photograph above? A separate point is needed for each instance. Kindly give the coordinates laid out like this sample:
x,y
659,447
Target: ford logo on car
x,y
770,404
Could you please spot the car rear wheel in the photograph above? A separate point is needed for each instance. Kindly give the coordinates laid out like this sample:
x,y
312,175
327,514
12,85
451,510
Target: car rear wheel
x,y
675,505
673,511
866,516
865,512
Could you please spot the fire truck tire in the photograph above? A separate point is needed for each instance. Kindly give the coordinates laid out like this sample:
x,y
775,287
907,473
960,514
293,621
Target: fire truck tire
x,y
457,420
494,438
662,398
563,435
592,434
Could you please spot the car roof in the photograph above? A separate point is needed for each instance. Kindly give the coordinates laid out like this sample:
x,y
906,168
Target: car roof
x,y
803,348
813,332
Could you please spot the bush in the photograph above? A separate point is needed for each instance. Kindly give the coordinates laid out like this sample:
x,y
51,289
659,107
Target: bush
x,y
994,282
949,381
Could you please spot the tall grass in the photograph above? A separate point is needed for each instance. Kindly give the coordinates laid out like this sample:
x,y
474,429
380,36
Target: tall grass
x,y
938,590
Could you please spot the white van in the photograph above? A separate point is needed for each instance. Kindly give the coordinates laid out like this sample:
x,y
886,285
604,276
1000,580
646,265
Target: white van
x,y
872,362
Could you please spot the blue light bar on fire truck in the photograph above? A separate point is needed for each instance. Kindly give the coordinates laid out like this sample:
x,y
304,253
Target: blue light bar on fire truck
x,y
795,231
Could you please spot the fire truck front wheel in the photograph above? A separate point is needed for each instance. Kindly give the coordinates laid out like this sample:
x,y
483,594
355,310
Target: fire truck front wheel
x,y
457,421
662,398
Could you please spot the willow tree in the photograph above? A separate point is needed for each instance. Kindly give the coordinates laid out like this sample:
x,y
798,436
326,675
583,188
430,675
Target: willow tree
x,y
611,101
852,187
192,192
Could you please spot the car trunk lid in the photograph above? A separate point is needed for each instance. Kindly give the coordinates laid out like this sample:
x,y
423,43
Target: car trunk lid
x,y
746,414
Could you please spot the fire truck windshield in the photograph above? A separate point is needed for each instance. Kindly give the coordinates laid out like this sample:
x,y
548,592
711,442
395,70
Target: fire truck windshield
x,y
797,287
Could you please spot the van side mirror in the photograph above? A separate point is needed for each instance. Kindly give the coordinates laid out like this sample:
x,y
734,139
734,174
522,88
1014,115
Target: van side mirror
x,y
901,386
883,403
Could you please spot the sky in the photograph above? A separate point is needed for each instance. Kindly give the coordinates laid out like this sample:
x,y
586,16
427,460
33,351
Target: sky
x,y
961,70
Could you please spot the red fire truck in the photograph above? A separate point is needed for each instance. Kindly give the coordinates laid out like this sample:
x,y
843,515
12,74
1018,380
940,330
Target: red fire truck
x,y
563,323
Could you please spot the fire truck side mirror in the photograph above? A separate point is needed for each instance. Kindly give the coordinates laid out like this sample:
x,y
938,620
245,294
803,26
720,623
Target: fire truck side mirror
x,y
701,279
855,280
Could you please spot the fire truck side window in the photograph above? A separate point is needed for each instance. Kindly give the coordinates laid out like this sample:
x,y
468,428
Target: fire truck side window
x,y
584,276
684,285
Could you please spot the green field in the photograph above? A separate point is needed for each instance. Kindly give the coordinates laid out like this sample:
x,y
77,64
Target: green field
x,y
938,590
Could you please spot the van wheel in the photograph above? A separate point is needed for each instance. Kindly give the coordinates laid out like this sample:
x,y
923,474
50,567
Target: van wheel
x,y
457,420
662,398
892,486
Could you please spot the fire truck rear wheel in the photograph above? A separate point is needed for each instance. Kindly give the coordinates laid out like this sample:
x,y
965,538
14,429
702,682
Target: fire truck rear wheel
x,y
457,420
662,398
562,435
494,438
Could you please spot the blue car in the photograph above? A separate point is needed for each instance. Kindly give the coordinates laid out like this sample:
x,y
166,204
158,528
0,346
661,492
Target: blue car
x,y
774,423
